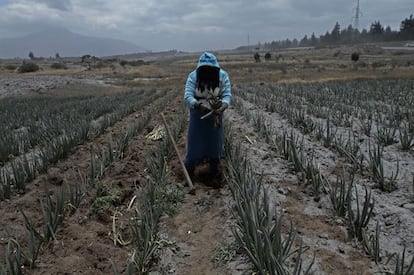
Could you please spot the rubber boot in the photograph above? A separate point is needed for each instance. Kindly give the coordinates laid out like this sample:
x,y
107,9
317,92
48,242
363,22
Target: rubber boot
x,y
215,172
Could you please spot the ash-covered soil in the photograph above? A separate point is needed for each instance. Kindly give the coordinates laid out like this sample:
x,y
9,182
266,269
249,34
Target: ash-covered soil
x,y
12,85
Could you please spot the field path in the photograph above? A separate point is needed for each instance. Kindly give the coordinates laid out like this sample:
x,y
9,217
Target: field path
x,y
201,225
197,229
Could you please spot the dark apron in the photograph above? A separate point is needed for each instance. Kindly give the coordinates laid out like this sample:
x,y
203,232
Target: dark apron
x,y
204,140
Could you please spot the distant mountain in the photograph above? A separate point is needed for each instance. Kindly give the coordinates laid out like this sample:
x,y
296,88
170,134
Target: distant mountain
x,y
59,40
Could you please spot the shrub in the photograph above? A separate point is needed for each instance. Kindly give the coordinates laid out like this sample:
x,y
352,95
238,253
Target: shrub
x,y
85,58
257,57
28,67
355,56
362,64
58,66
378,64
99,65
135,63
111,60
267,56
123,63
10,67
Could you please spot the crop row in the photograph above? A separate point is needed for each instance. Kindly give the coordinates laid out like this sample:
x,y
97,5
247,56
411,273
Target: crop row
x,y
156,199
344,194
71,195
30,122
346,141
258,228
24,169
373,105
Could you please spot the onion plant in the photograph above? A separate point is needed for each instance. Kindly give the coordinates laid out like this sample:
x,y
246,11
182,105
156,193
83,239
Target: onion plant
x,y
400,267
144,231
258,227
5,185
406,139
53,216
386,135
359,218
329,134
295,153
53,213
144,227
14,259
314,176
351,150
372,244
365,125
19,176
76,191
340,195
377,170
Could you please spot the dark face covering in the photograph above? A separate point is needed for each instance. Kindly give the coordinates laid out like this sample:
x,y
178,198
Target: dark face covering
x,y
208,78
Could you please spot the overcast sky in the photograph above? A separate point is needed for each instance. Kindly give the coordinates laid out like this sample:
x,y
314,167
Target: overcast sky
x,y
196,25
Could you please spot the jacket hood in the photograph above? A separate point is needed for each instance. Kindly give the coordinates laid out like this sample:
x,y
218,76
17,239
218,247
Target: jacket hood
x,y
208,59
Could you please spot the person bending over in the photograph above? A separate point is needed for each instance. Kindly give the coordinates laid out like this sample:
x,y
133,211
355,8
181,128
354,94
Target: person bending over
x,y
208,95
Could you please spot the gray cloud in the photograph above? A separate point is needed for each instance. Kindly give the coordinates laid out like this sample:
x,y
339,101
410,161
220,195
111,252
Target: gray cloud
x,y
196,24
63,5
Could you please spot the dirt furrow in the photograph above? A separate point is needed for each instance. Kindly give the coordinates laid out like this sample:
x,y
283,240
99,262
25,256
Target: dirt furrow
x,y
197,230
201,227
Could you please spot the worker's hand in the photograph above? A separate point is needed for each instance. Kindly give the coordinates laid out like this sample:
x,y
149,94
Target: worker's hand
x,y
223,107
201,107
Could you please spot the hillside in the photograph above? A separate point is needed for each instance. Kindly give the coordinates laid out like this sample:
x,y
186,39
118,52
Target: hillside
x,y
58,40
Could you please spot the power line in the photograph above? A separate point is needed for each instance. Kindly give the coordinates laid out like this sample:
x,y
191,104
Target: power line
x,y
357,15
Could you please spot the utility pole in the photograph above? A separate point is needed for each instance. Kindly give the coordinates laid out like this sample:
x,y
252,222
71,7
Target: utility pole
x,y
356,22
356,18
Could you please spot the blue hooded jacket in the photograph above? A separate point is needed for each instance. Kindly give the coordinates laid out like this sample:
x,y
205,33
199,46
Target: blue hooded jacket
x,y
207,59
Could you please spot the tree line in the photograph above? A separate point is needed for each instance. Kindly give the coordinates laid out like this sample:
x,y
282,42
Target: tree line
x,y
349,35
